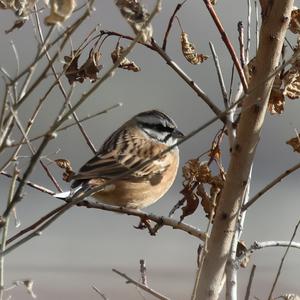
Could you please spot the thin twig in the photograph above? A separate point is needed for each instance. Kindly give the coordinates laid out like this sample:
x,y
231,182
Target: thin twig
x,y
35,224
99,292
5,231
141,286
270,185
143,272
227,43
247,49
31,184
31,148
224,93
247,296
256,25
177,8
241,42
81,128
188,80
282,261
88,117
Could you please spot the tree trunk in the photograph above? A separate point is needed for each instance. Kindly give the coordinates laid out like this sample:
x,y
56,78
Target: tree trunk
x,y
275,23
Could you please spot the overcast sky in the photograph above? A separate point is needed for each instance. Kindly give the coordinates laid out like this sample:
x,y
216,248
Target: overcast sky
x,y
81,248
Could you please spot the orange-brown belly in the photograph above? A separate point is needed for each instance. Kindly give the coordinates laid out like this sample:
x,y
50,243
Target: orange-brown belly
x,y
138,194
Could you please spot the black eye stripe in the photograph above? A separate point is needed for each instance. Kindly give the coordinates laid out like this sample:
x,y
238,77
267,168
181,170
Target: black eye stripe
x,y
158,127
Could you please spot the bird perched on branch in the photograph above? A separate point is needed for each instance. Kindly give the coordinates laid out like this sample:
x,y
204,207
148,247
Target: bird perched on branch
x,y
125,152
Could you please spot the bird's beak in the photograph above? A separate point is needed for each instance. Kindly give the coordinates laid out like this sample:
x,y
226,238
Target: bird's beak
x,y
177,134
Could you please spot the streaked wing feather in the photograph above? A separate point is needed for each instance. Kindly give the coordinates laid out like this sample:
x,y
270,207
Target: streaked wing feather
x,y
127,155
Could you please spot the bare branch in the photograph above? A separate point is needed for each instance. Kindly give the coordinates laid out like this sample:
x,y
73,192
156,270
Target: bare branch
x,y
270,185
227,42
177,8
98,292
282,261
247,296
141,286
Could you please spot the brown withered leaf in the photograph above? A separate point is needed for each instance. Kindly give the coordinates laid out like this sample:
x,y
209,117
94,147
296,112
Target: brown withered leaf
x,y
66,166
289,297
291,82
295,143
193,170
91,67
136,15
189,51
61,10
294,25
88,70
241,252
125,63
215,152
206,202
191,201
71,67
276,101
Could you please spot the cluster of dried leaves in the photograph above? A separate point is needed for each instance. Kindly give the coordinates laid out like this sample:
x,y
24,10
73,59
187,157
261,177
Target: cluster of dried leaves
x,y
136,15
88,70
200,185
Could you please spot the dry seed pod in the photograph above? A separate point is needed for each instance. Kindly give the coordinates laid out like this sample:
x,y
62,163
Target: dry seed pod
x,y
189,51
125,63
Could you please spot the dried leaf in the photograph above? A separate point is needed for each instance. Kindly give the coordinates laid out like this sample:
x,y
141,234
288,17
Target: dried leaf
x,y
189,51
71,67
136,15
215,152
91,67
207,204
276,101
295,143
289,297
193,170
61,10
192,202
294,25
241,252
65,165
88,70
125,63
291,82
22,8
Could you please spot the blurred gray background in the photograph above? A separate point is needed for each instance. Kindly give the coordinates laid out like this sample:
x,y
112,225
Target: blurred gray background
x,y
81,248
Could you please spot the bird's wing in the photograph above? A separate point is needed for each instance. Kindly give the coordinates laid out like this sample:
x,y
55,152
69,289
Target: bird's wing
x,y
121,153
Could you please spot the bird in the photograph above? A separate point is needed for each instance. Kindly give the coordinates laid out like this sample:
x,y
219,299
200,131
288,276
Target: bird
x,y
127,149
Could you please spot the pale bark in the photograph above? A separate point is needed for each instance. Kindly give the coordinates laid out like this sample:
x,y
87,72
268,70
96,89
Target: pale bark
x,y
272,35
